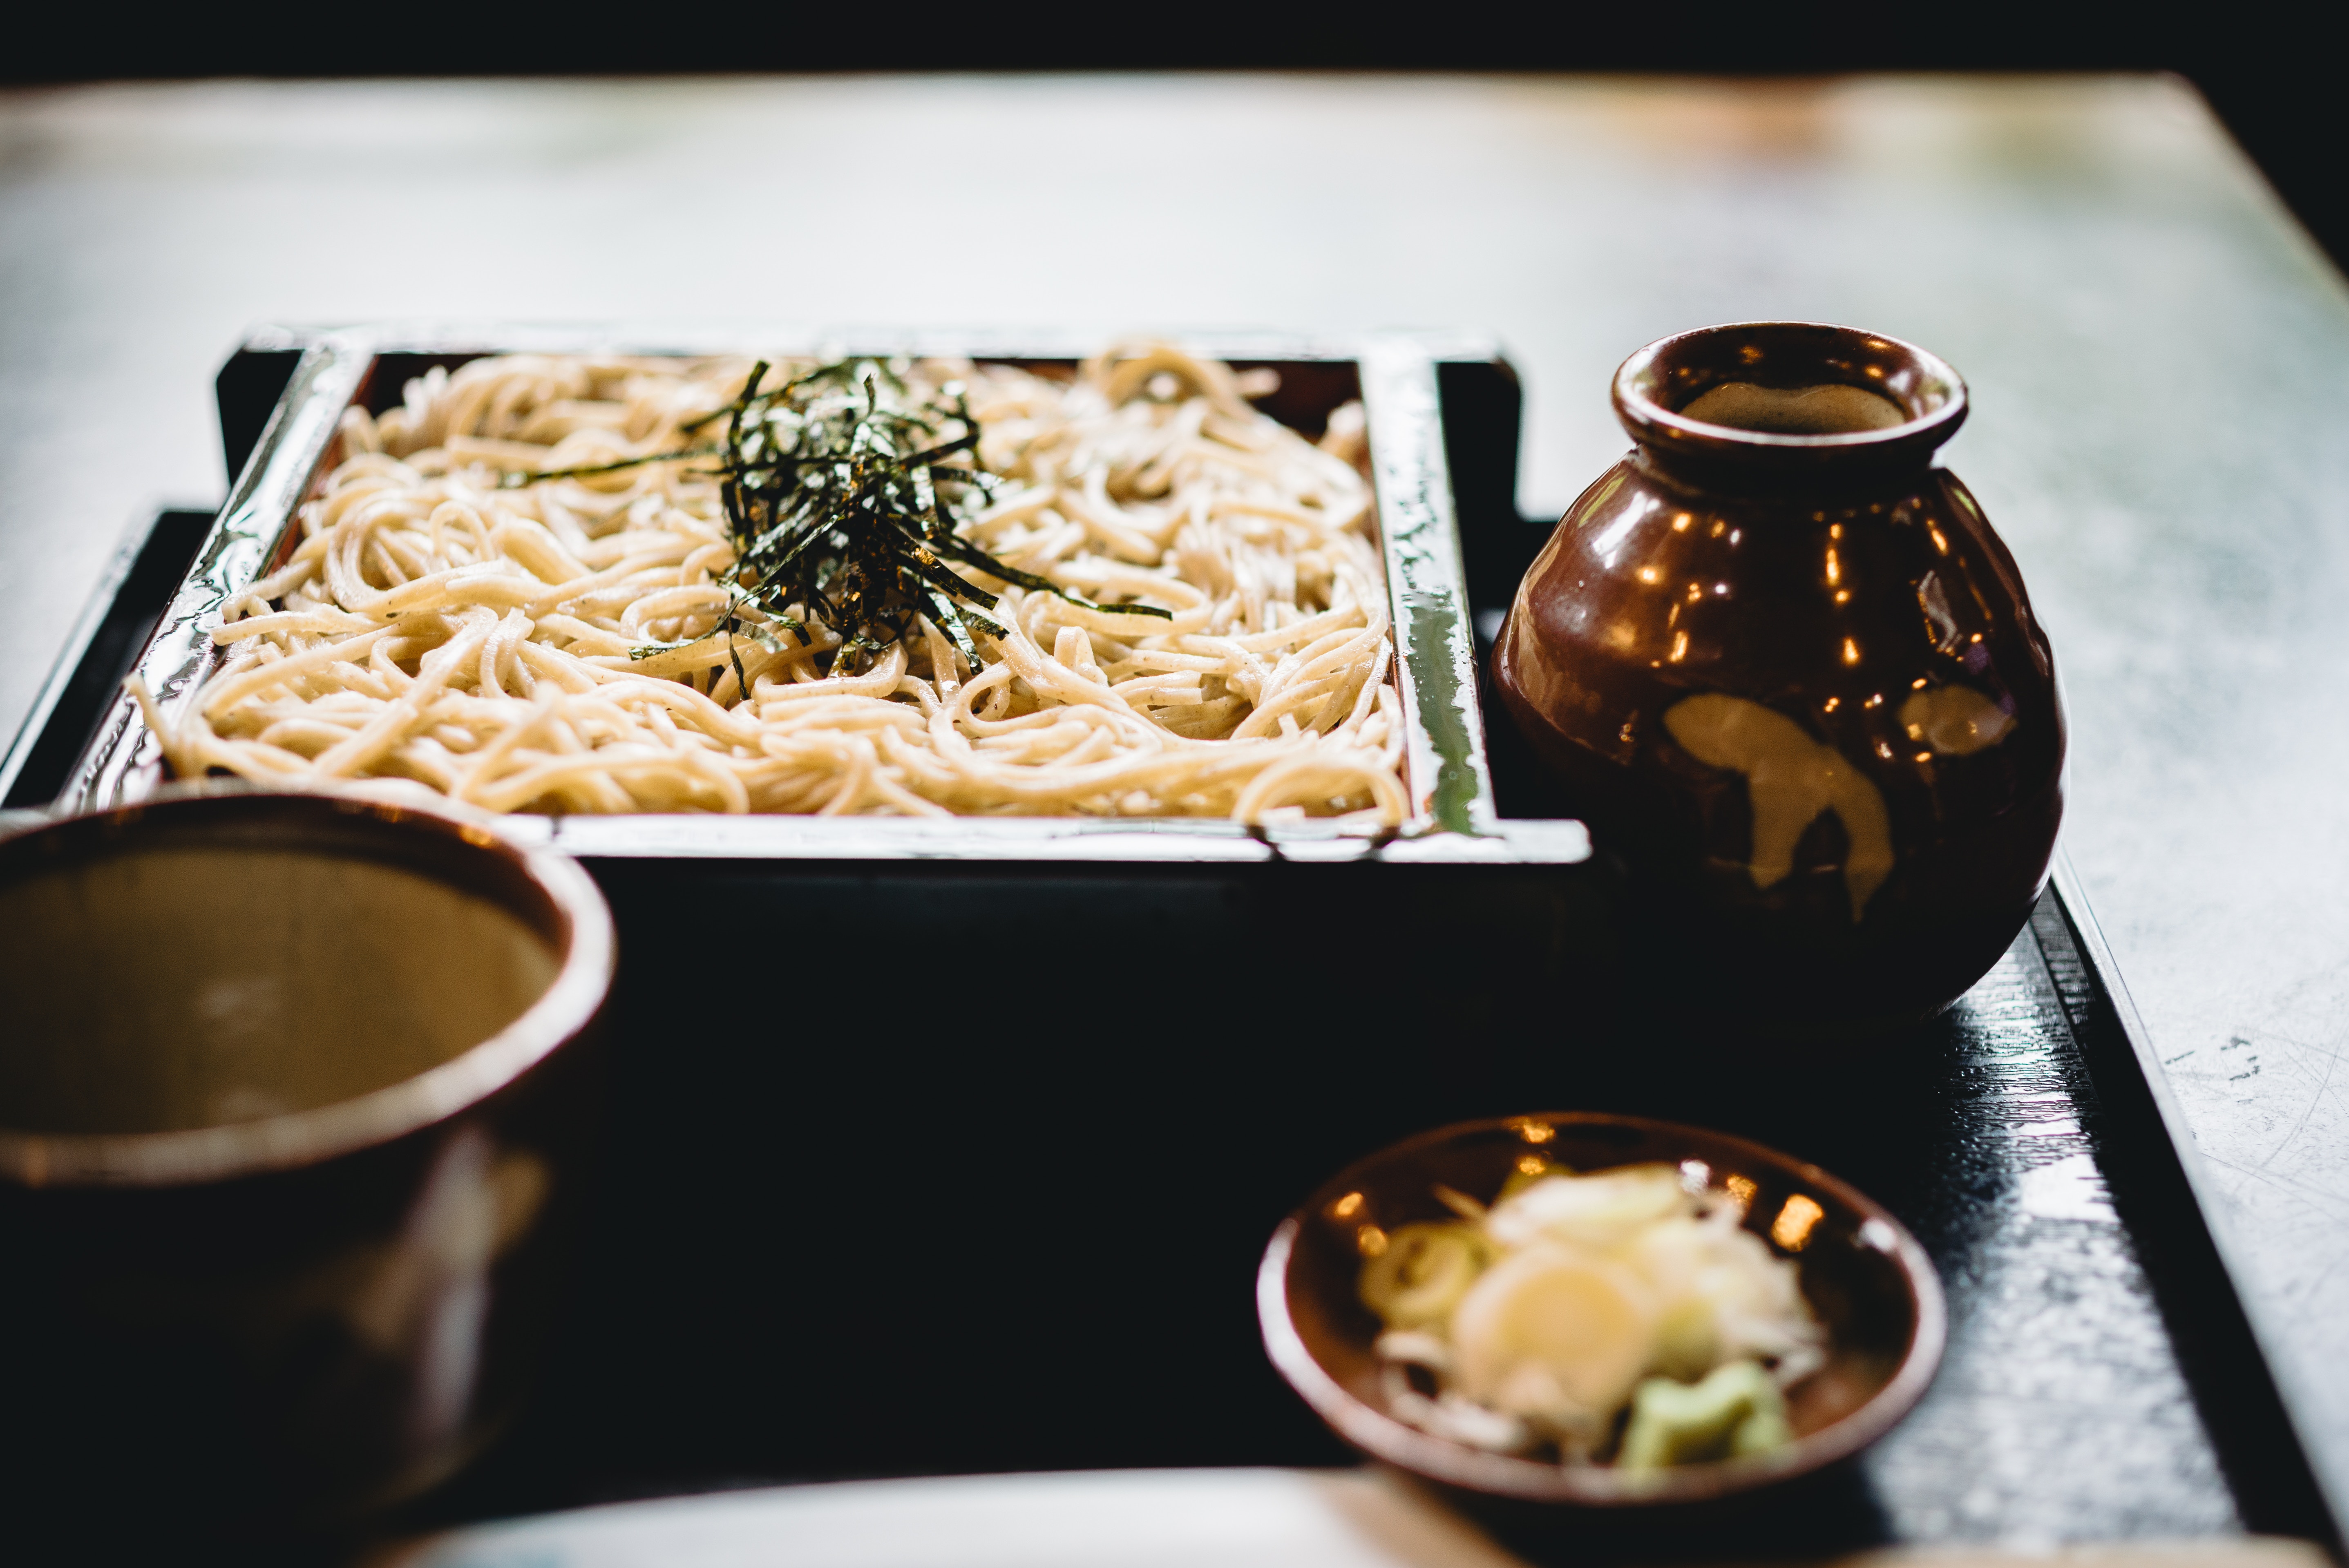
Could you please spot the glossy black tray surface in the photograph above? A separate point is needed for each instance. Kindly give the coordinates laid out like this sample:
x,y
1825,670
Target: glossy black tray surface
x,y
868,1206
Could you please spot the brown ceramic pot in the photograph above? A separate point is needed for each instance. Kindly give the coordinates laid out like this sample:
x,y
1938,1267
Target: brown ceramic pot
x,y
295,1094
1780,662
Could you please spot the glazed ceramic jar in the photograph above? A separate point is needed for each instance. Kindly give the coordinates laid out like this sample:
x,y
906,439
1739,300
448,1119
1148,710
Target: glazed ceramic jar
x,y
1781,663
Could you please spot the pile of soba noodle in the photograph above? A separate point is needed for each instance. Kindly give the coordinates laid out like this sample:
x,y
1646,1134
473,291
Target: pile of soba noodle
x,y
452,621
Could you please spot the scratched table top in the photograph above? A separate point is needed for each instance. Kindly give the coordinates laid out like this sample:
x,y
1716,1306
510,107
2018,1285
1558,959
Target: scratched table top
x,y
2153,349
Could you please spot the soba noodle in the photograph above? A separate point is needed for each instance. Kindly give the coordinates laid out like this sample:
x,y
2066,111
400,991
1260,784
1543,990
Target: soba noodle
x,y
450,621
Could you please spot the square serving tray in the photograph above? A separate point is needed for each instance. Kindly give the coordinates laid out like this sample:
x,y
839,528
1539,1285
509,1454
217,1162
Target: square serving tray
x,y
1454,820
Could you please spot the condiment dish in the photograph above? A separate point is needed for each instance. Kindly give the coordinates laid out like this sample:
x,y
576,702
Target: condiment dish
x,y
1868,1282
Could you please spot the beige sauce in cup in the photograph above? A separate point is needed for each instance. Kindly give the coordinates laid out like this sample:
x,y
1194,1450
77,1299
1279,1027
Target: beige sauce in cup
x,y
190,987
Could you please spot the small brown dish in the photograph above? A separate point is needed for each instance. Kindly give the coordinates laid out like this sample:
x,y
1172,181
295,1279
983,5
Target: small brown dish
x,y
1870,1285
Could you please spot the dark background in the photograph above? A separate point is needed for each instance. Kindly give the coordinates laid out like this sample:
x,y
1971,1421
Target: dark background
x,y
2267,69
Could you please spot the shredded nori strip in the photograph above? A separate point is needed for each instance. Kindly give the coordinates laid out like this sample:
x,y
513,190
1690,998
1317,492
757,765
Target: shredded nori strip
x,y
843,496
515,479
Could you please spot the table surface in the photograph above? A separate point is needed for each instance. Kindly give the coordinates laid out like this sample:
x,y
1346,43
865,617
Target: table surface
x,y
1234,1518
2153,350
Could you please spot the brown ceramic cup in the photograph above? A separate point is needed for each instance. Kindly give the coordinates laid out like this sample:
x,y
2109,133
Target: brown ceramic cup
x,y
1870,1285
1780,662
294,1096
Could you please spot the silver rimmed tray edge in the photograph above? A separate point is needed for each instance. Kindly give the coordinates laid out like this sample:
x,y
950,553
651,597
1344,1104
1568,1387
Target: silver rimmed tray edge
x,y
1447,779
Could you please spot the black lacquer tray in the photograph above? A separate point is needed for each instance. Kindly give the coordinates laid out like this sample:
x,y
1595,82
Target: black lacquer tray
x,y
866,1209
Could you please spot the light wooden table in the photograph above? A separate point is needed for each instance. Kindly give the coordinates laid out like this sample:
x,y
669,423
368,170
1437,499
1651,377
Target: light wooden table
x,y
1128,1519
2159,364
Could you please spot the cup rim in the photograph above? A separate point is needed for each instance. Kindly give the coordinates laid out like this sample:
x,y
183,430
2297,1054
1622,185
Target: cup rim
x,y
188,1156
1474,1469
1936,408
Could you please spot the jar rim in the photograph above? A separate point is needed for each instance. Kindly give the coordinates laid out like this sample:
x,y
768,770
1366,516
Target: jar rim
x,y
1652,386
